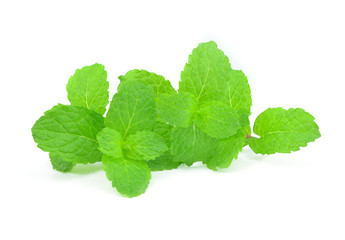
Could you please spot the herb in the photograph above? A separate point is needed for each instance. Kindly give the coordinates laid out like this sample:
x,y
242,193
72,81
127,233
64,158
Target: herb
x,y
152,127
283,131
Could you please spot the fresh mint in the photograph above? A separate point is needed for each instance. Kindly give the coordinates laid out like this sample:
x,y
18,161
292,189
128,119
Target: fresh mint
x,y
88,87
150,126
69,133
283,131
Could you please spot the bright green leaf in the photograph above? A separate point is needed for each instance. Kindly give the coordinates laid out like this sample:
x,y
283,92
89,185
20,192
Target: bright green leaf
x,y
206,73
144,145
177,109
283,131
132,109
71,132
217,119
157,82
129,177
110,142
88,87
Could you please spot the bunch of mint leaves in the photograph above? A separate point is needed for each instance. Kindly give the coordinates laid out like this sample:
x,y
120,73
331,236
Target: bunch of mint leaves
x,y
152,127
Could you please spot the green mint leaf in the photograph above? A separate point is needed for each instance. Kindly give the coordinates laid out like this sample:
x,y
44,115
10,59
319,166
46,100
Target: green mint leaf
x,y
88,87
190,145
238,93
157,82
59,164
164,162
217,119
129,177
206,73
110,142
132,109
144,145
71,132
226,150
283,131
177,109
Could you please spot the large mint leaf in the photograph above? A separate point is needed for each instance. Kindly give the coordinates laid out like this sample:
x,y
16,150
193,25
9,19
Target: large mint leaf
x,y
283,131
132,109
70,132
129,177
88,87
206,73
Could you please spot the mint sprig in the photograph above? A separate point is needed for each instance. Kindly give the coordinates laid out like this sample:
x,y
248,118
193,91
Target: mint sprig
x,y
152,127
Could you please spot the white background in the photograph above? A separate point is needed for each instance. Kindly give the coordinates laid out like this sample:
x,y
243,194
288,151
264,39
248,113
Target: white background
x,y
293,54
